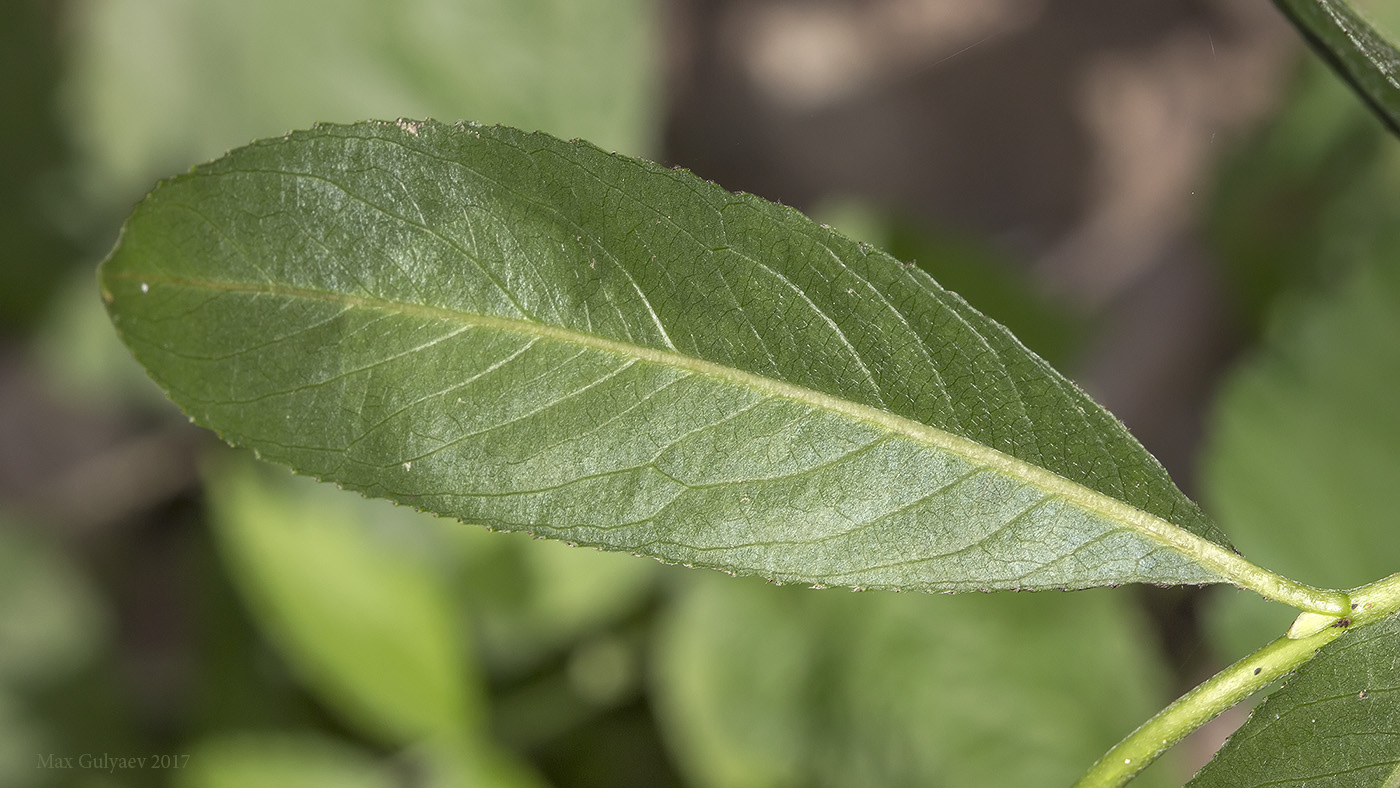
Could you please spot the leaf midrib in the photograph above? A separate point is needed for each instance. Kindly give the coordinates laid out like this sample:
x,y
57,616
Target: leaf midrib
x,y
1201,550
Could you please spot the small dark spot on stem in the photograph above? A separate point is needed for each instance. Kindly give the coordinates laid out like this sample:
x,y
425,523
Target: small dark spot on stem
x,y
1342,622
1257,671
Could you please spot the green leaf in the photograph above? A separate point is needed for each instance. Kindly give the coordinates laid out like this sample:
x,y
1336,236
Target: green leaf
x,y
157,85
51,625
768,687
1335,723
537,335
1355,49
349,594
51,621
21,738
529,599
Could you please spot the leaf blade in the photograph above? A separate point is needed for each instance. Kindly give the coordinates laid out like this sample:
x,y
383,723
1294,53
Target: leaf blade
x,y
1355,49
742,368
755,686
356,610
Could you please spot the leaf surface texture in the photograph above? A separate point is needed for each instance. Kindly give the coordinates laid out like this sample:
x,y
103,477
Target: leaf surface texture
x,y
538,335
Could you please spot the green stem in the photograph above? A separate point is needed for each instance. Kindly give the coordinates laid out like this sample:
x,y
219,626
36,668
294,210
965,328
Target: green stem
x,y
1369,604
1289,592
1376,601
1201,705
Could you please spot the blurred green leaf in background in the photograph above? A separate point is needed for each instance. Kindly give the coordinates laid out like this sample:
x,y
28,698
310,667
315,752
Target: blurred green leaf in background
x,y
1307,196
159,85
352,597
1299,457
51,625
357,597
289,760
33,154
784,687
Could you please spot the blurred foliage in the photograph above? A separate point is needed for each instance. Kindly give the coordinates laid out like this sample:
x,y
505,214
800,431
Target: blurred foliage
x,y
787,687
535,597
80,358
51,625
287,760
159,85
1301,460
328,634
1303,453
50,622
353,598
1308,195
33,151
1299,456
